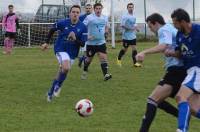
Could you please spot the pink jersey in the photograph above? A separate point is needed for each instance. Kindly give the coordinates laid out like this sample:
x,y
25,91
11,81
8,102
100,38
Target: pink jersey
x,y
10,22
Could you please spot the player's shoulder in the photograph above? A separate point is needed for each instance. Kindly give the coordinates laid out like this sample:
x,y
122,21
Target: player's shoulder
x,y
196,27
63,21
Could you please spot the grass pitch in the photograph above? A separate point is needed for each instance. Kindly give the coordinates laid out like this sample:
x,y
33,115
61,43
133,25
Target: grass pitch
x,y
119,104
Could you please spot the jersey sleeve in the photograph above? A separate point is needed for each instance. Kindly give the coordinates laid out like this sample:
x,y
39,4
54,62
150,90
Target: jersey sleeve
x,y
59,25
165,37
123,21
84,34
86,20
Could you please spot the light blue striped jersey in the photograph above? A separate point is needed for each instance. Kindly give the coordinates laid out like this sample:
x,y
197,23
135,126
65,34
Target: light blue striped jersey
x,y
167,35
129,22
96,28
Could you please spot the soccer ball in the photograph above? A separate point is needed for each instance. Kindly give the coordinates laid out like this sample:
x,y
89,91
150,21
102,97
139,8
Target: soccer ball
x,y
84,107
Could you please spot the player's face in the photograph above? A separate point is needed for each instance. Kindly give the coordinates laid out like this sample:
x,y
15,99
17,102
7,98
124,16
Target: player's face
x,y
88,9
10,9
152,27
130,8
177,24
98,10
75,13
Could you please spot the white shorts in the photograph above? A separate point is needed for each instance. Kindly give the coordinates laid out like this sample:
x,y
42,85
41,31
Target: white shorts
x,y
63,56
192,79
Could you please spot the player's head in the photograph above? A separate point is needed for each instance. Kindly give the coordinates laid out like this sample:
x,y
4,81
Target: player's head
x,y
155,21
130,7
98,8
75,12
180,19
88,8
10,8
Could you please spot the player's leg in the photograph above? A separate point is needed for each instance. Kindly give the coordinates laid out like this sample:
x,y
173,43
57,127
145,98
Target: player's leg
x,y
134,53
194,102
83,56
6,43
90,52
64,61
189,85
102,54
157,96
122,52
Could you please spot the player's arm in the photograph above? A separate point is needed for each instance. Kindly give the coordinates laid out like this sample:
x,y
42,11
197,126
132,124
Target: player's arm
x,y
83,38
106,29
55,27
156,49
165,39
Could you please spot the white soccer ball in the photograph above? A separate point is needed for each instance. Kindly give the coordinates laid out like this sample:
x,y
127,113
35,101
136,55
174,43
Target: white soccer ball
x,y
84,107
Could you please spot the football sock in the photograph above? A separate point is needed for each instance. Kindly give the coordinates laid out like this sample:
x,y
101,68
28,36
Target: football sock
x,y
134,53
86,65
51,90
167,107
104,67
62,76
183,116
121,53
149,115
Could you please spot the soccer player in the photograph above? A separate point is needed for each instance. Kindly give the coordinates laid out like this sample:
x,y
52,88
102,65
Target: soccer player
x,y
128,24
175,72
10,25
188,49
71,35
88,11
97,28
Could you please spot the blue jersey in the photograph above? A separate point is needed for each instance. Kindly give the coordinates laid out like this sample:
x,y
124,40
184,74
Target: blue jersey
x,y
82,17
62,44
128,21
190,46
167,35
96,29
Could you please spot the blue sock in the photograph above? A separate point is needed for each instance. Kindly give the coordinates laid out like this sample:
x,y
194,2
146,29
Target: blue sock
x,y
50,92
198,114
183,116
61,78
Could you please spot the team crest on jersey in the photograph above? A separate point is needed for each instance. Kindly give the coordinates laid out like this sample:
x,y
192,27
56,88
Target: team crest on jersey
x,y
78,30
66,27
184,47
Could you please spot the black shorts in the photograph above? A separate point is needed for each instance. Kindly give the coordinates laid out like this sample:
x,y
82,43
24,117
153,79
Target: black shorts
x,y
126,43
91,50
174,77
10,35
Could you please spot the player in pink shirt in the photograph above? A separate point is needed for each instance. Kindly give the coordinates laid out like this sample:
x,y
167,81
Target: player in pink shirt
x,y
10,26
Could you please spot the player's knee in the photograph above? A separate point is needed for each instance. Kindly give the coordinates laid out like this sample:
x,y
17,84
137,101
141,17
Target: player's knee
x,y
65,69
152,101
179,98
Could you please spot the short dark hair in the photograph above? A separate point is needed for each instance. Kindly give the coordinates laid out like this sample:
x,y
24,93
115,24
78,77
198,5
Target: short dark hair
x,y
155,17
129,4
75,6
180,14
97,4
10,6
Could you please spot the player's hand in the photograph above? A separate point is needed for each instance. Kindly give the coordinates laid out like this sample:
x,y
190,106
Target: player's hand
x,y
140,57
169,52
44,46
71,36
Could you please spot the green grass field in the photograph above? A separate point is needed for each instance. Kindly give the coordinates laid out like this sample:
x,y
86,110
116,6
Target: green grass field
x,y
119,104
